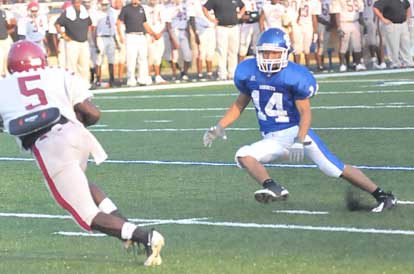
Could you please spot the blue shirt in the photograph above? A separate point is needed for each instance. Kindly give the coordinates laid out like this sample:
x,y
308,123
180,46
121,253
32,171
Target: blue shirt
x,y
274,94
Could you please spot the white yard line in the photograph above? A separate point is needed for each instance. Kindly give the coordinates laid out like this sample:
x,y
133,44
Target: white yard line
x,y
233,94
301,212
203,221
230,82
390,106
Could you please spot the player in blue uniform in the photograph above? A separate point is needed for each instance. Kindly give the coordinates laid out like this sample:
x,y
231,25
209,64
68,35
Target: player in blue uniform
x,y
281,92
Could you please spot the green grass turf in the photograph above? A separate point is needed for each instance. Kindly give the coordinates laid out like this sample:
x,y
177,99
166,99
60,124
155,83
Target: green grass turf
x,y
223,193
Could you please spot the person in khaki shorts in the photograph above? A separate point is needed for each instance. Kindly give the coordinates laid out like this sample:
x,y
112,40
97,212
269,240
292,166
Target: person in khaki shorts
x,y
62,145
7,23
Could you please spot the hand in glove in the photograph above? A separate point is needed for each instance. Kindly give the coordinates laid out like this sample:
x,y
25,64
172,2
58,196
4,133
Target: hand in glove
x,y
213,133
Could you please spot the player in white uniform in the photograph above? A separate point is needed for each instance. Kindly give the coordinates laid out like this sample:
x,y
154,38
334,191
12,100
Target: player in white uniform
x,y
178,31
120,50
205,37
372,40
60,143
250,28
348,18
307,29
35,26
324,33
273,15
105,41
295,33
156,18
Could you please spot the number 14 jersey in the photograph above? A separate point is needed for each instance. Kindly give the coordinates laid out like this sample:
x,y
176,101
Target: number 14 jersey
x,y
274,94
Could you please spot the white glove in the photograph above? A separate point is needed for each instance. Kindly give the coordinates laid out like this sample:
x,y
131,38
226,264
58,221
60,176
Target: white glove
x,y
212,134
297,150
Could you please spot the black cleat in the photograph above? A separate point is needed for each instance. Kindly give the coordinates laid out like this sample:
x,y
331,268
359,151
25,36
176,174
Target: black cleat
x,y
272,193
386,201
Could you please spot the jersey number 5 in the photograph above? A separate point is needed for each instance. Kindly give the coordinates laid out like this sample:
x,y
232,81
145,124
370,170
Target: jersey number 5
x,y
37,95
273,109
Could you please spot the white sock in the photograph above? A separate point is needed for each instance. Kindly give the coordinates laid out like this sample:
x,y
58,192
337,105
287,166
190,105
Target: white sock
x,y
127,231
107,206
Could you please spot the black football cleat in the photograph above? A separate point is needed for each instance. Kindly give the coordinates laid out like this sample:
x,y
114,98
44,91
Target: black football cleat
x,y
273,193
386,201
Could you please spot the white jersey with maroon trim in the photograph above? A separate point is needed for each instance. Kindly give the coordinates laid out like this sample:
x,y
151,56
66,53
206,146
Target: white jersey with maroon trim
x,y
156,16
292,9
307,9
34,90
348,9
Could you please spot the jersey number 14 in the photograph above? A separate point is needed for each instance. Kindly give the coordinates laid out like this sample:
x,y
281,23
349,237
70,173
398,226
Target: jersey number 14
x,y
273,109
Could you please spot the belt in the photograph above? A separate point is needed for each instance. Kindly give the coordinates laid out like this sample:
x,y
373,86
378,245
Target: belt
x,y
227,26
105,35
29,140
182,29
136,33
349,21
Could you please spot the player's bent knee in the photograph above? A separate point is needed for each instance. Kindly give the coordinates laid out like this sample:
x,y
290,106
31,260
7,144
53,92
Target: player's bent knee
x,y
242,152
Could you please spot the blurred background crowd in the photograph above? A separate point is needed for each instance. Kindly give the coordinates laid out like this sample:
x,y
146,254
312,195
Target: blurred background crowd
x,y
114,43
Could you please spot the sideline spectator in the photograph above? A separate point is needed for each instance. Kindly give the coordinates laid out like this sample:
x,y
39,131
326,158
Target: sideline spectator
x,y
133,16
35,26
156,16
393,16
205,37
348,19
227,14
7,25
178,31
120,50
105,41
76,21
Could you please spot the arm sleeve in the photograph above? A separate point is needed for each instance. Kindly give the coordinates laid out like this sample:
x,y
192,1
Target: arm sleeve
x,y
121,15
209,5
62,19
306,86
379,5
240,79
76,89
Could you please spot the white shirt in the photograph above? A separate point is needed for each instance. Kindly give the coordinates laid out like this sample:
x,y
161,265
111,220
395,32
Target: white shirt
x,y
35,28
40,89
105,23
274,15
156,17
177,15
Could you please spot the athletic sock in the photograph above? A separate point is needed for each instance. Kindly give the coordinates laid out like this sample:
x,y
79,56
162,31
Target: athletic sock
x,y
378,193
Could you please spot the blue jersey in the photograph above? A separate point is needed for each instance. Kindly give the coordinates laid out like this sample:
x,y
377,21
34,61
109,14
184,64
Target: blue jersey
x,y
274,95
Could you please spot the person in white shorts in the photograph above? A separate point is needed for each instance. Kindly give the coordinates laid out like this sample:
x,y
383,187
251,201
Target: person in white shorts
x,y
205,37
104,36
36,26
178,32
307,29
61,144
120,50
324,33
349,18
156,16
7,24
280,91
250,28
372,41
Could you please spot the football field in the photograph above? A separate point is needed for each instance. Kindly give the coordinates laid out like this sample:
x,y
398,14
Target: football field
x,y
160,175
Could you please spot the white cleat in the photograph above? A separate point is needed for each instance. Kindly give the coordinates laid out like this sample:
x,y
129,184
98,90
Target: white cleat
x,y
360,67
342,68
155,242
